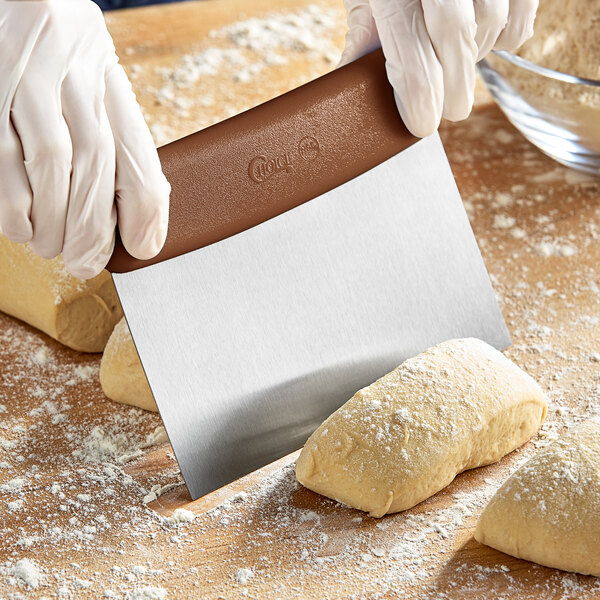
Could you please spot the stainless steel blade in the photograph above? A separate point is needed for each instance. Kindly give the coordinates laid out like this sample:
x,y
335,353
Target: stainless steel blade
x,y
250,343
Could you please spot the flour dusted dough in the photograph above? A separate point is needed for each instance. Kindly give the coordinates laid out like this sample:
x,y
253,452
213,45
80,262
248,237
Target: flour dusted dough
x,y
456,406
548,511
79,314
121,373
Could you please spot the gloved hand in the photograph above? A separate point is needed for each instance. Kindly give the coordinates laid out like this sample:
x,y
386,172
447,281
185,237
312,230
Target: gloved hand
x,y
431,47
73,139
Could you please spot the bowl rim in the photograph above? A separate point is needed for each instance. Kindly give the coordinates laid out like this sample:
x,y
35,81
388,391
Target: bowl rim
x,y
558,75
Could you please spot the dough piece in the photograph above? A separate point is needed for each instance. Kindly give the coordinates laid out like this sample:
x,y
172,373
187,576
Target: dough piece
x,y
456,406
121,373
79,314
548,511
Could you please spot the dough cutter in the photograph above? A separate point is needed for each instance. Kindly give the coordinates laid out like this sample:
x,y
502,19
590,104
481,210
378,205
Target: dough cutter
x,y
313,245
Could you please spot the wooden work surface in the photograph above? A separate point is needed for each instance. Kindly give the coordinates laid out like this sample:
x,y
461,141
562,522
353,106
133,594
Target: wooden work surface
x,y
75,467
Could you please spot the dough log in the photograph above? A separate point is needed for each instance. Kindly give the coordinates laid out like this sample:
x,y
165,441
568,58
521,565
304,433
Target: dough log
x,y
121,373
79,314
548,511
456,406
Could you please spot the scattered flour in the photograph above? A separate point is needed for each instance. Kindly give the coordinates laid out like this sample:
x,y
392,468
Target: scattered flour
x,y
148,593
555,248
180,515
239,55
242,576
504,221
29,572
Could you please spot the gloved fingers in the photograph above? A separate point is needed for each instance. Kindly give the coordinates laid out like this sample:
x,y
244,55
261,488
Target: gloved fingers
x,y
411,64
142,191
491,17
46,142
91,216
451,27
519,27
361,37
15,193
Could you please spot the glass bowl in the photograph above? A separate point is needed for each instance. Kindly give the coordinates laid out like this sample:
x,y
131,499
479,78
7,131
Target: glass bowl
x,y
557,112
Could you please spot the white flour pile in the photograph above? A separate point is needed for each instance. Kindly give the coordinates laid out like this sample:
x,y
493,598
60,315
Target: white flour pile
x,y
28,571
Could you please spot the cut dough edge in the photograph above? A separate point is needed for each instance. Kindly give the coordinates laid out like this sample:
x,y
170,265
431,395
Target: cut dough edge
x,y
121,374
79,314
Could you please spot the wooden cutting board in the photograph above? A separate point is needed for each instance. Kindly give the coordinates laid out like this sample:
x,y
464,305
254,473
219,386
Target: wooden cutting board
x,y
75,468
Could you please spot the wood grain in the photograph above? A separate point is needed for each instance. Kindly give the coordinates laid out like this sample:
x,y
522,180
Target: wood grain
x,y
300,545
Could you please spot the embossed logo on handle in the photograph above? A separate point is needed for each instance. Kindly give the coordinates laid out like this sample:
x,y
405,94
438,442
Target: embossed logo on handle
x,y
261,167
308,148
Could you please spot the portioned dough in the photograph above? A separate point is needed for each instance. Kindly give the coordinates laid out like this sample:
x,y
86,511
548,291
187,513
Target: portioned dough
x,y
79,314
121,373
548,511
456,406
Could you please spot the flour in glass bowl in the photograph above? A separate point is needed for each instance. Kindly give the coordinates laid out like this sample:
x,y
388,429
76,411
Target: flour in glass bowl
x,y
566,38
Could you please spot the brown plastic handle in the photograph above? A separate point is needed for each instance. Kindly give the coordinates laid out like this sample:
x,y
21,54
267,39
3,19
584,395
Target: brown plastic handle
x,y
276,156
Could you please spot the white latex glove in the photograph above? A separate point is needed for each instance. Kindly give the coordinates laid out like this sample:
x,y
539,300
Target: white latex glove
x,y
75,151
431,47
